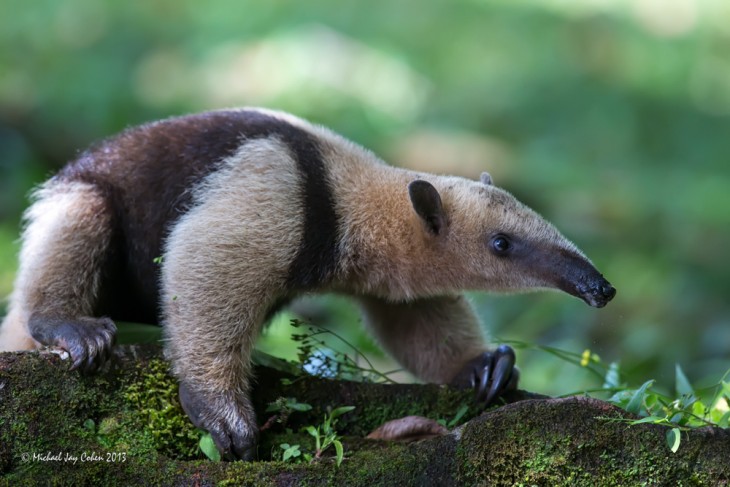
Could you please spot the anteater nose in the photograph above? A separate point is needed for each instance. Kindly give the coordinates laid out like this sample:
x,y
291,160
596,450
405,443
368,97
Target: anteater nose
x,y
608,291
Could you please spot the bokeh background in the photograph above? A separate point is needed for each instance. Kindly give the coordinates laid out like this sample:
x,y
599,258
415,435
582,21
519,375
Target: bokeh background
x,y
610,118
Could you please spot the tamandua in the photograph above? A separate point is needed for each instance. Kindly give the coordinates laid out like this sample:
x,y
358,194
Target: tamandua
x,y
248,208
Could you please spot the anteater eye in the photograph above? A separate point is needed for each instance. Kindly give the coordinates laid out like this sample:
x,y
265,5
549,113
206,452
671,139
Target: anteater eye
x,y
501,244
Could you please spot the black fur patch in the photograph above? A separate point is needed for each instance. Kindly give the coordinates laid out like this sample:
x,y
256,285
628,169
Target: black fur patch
x,y
318,253
147,172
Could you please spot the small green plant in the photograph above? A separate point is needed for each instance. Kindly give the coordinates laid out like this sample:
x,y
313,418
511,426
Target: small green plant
x,y
325,435
287,405
291,452
457,417
685,411
283,407
316,357
687,408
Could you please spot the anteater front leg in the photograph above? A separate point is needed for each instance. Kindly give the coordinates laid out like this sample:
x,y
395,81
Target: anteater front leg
x,y
214,299
439,340
211,322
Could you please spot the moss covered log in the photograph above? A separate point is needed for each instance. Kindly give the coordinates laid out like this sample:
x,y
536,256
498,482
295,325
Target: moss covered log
x,y
124,426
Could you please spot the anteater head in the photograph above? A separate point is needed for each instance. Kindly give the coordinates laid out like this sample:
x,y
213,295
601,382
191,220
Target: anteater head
x,y
484,237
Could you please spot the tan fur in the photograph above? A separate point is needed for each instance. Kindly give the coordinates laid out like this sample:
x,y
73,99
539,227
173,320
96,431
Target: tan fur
x,y
379,257
65,239
445,326
408,277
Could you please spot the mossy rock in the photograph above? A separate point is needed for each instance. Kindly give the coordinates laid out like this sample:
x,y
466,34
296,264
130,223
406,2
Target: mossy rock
x,y
124,426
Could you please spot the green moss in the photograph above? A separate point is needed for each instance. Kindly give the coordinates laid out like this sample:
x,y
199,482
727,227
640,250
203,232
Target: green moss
x,y
45,408
48,406
537,447
154,405
120,417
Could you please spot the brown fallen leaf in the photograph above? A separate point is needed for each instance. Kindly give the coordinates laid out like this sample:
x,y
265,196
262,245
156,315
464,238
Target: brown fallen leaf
x,y
409,428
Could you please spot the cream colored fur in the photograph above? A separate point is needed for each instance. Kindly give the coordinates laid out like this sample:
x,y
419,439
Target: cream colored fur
x,y
226,263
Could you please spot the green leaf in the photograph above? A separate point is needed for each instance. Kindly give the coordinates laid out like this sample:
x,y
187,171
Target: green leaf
x,y
312,431
327,425
299,406
89,425
459,414
723,423
650,419
291,452
674,436
340,411
621,398
207,446
726,389
339,451
682,385
698,409
634,405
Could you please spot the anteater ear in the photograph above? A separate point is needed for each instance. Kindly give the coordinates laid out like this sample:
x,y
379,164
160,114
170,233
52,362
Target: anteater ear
x,y
486,179
427,203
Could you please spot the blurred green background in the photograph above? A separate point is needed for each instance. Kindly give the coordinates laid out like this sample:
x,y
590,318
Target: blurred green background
x,y
610,118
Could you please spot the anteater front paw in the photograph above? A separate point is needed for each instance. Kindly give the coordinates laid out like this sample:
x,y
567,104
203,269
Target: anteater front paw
x,y
490,374
230,421
89,341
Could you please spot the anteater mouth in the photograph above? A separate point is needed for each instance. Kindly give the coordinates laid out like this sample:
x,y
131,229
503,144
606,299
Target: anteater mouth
x,y
597,293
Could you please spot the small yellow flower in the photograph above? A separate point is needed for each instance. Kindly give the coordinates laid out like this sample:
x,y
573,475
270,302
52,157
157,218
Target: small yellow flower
x,y
585,358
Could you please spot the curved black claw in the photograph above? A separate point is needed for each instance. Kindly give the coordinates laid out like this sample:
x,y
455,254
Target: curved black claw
x,y
88,341
231,425
490,374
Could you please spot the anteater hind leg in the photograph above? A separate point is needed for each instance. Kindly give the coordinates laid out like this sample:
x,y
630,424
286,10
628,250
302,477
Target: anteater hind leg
x,y
438,340
64,248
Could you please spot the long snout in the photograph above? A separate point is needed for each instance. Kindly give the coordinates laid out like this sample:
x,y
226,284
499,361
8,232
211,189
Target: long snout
x,y
574,274
580,278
